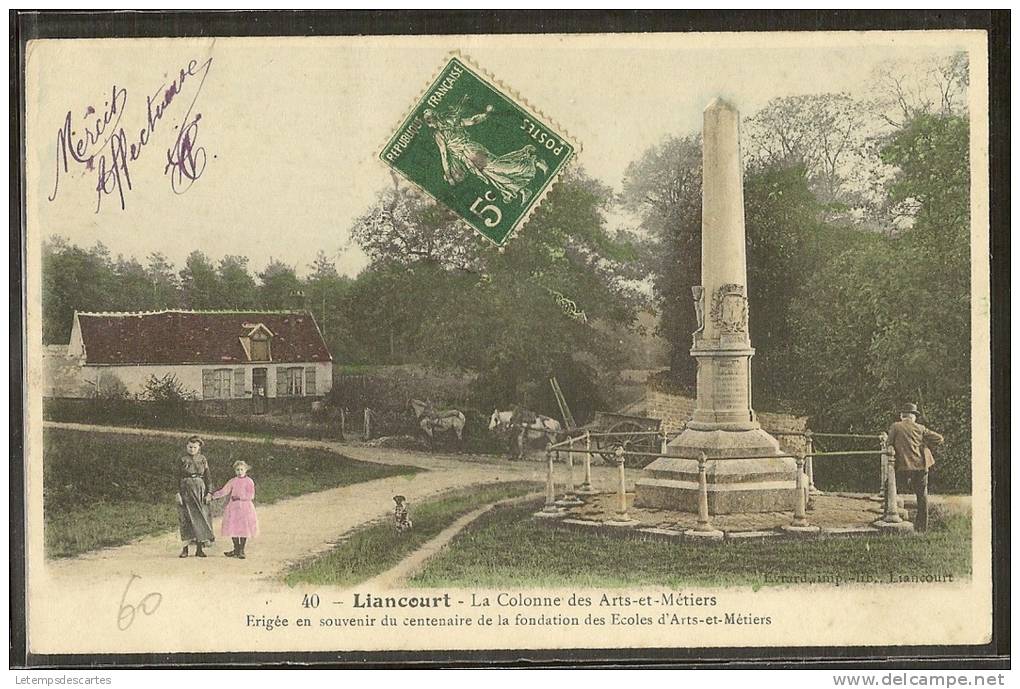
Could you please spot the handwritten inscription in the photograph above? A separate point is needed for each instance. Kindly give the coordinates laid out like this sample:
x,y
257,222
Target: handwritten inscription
x,y
147,605
101,145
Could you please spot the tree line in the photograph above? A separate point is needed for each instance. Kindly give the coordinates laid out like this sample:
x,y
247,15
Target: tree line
x,y
858,251
858,246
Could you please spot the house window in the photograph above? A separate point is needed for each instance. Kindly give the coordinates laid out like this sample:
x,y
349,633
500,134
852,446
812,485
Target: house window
x,y
260,347
216,383
290,382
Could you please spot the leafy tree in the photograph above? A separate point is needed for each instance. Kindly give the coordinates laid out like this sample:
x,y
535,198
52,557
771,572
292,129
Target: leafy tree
x,y
405,226
134,289
932,183
326,291
830,136
886,319
782,219
388,305
111,387
280,289
167,388
200,285
166,287
515,316
849,324
238,289
73,279
169,398
663,187
906,89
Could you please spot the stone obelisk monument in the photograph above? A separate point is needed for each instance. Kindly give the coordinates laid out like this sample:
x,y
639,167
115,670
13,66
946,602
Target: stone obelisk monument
x,y
756,478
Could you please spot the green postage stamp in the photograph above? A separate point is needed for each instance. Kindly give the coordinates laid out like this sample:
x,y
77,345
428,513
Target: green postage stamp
x,y
478,151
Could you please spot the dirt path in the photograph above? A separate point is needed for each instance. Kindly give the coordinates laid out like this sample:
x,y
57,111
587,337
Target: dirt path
x,y
297,528
398,575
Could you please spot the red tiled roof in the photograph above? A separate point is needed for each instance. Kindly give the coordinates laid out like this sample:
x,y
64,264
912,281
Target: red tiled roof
x,y
196,337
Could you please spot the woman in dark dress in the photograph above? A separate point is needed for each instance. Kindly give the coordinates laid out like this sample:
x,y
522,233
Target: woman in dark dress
x,y
193,498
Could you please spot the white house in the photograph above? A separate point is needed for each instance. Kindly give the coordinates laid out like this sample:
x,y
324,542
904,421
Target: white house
x,y
215,354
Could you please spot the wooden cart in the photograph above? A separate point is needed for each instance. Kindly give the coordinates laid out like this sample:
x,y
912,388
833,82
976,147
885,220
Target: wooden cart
x,y
636,434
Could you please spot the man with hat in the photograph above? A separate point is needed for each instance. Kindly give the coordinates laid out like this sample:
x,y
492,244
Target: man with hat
x,y
910,441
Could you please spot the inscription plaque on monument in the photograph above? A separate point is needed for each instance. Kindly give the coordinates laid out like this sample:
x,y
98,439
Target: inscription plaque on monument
x,y
730,384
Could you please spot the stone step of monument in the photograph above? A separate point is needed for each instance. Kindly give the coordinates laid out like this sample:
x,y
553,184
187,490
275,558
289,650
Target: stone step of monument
x,y
751,535
848,531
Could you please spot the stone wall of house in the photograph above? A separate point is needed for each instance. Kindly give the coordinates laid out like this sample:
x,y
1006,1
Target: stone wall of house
x,y
62,375
189,376
65,377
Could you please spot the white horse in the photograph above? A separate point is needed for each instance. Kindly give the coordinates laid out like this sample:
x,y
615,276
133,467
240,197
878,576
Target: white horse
x,y
431,421
500,420
542,426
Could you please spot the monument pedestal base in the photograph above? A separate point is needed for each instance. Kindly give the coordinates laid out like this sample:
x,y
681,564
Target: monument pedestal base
x,y
768,484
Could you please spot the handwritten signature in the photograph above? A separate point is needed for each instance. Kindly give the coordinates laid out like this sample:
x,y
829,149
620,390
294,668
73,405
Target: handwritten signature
x,y
104,147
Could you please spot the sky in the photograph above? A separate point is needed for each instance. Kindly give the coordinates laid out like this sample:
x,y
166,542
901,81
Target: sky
x,y
292,127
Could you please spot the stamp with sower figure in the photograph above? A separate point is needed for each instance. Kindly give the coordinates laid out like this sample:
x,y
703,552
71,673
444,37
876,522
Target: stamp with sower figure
x,y
477,150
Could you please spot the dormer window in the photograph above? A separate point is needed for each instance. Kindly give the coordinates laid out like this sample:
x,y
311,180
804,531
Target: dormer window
x,y
257,342
260,347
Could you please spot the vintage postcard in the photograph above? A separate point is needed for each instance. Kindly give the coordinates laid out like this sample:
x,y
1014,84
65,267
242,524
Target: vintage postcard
x,y
507,342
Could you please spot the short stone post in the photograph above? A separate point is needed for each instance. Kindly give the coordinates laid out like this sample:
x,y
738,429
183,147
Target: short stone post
x,y
586,487
882,446
892,514
570,469
891,519
368,423
622,517
550,509
343,423
569,498
704,529
800,524
799,513
809,462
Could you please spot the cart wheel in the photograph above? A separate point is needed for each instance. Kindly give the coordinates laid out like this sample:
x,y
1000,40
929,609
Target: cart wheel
x,y
637,443
607,448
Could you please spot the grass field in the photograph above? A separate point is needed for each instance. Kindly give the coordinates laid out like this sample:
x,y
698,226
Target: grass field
x,y
507,548
376,547
105,489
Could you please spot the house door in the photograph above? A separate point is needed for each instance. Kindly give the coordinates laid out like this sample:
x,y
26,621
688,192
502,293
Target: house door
x,y
258,390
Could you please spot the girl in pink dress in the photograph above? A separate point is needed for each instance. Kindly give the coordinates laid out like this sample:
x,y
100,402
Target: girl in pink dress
x,y
239,520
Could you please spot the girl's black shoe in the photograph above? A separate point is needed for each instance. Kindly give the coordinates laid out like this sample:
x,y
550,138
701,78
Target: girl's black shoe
x,y
184,552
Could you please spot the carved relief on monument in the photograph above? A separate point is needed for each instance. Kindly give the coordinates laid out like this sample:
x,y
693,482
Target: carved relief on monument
x,y
699,306
729,309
